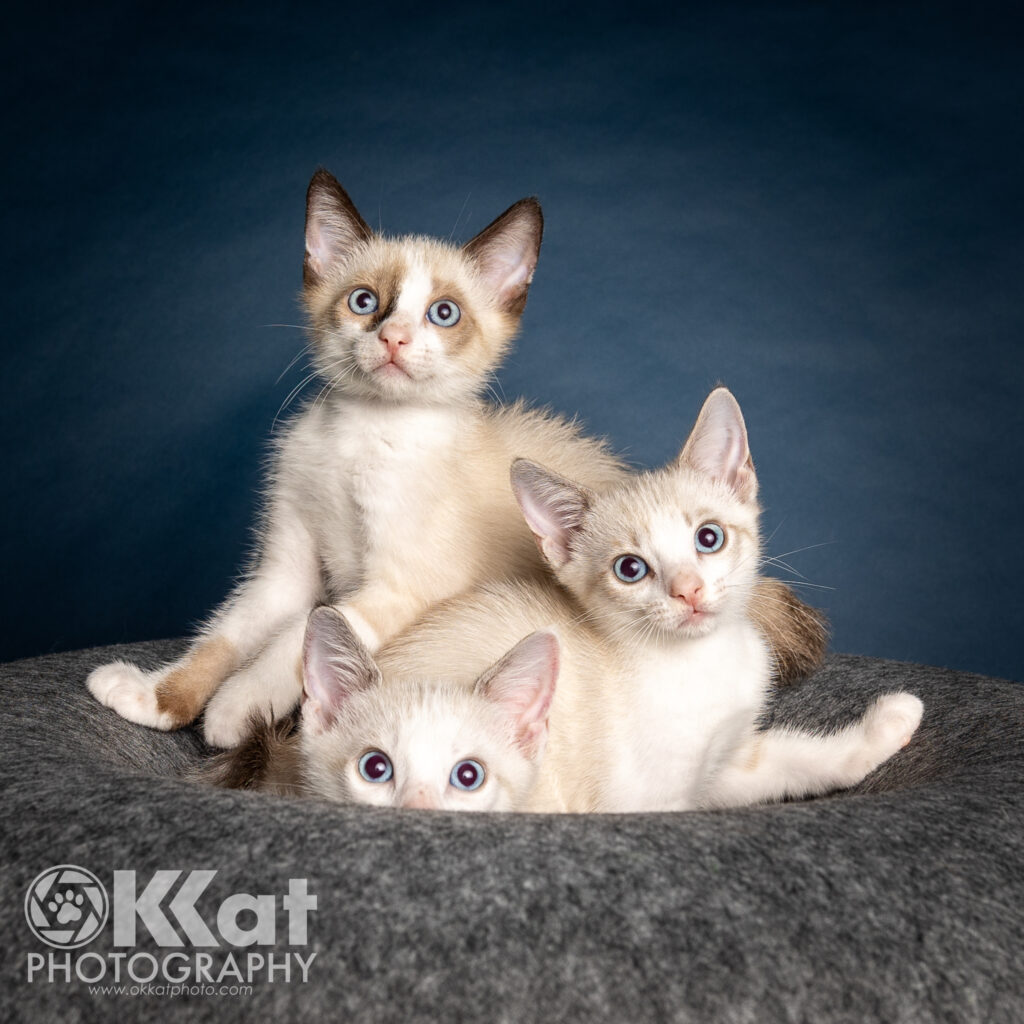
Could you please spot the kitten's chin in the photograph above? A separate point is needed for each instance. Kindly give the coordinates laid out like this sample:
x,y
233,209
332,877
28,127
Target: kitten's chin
x,y
394,385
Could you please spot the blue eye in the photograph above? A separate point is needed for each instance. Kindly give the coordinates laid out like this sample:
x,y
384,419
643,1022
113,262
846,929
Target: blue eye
x,y
363,301
375,766
467,775
444,313
630,568
709,538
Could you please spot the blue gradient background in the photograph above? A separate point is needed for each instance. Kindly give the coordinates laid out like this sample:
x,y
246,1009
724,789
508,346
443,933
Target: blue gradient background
x,y
818,205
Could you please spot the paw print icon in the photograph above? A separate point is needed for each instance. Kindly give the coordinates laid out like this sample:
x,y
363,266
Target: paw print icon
x,y
66,906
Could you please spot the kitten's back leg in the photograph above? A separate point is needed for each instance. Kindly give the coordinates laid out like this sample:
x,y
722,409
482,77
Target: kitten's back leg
x,y
782,762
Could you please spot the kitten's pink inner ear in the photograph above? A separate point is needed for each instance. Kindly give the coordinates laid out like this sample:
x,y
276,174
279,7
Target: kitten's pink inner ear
x,y
523,683
334,666
506,252
552,507
334,226
718,447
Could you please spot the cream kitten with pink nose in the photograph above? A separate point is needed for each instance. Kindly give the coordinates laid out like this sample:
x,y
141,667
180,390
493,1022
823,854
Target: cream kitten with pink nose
x,y
663,672
368,501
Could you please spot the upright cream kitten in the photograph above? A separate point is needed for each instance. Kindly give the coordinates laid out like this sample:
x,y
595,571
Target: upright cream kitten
x,y
426,744
662,674
369,500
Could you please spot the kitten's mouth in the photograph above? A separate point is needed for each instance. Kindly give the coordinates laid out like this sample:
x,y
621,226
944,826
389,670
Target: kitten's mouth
x,y
391,369
695,621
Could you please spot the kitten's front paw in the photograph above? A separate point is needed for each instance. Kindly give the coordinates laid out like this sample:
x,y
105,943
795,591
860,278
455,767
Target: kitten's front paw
x,y
226,723
130,692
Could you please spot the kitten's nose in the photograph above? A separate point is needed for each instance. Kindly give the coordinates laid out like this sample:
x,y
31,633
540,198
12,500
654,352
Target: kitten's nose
x,y
421,798
687,586
394,334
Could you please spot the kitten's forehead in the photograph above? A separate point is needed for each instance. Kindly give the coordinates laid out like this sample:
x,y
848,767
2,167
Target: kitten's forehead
x,y
430,720
659,512
415,266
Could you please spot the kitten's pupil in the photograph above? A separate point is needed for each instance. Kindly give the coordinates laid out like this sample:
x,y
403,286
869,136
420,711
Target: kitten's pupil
x,y
374,766
468,774
710,537
362,300
630,568
444,313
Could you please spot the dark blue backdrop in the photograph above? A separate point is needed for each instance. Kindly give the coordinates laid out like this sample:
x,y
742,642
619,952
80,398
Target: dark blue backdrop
x,y
817,205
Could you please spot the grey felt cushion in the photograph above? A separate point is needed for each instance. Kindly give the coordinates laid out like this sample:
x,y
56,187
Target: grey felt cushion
x,y
900,901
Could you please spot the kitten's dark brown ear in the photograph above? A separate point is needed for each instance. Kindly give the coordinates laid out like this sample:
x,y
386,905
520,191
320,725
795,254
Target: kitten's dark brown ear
x,y
507,251
335,664
552,506
717,445
333,226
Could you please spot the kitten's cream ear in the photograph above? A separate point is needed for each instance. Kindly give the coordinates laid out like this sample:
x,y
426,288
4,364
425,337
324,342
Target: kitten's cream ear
x,y
333,226
717,445
507,250
335,665
552,506
523,683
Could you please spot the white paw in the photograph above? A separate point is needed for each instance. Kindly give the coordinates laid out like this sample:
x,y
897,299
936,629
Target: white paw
x,y
266,687
226,723
130,692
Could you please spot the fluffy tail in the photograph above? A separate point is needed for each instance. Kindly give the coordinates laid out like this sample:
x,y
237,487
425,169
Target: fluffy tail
x,y
266,760
796,633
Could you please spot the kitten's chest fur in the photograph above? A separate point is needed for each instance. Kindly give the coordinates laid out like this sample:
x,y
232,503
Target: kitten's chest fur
x,y
684,710
376,473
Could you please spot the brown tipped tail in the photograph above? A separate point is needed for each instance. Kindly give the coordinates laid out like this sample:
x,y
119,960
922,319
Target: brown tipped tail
x,y
796,633
266,760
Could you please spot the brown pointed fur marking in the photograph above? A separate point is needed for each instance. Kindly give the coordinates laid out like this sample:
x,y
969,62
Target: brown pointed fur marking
x,y
797,634
266,759
184,692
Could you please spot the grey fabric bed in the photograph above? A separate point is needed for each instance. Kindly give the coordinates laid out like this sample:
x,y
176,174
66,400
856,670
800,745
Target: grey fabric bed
x,y
900,901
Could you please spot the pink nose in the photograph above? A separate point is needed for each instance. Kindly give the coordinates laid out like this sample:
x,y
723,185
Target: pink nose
x,y
394,334
421,799
688,587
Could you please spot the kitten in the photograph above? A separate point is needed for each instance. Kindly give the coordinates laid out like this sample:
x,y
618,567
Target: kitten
x,y
366,504
402,743
664,673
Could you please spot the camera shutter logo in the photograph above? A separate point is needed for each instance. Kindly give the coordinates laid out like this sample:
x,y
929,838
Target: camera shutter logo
x,y
66,906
